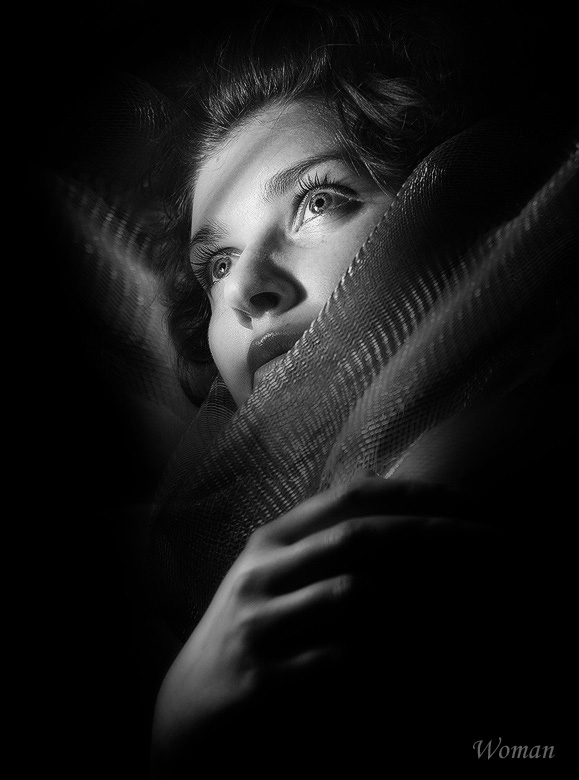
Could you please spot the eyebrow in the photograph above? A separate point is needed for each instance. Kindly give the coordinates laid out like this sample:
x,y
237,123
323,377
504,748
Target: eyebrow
x,y
275,187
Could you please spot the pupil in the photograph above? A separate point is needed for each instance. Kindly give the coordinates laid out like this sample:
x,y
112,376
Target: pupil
x,y
319,203
220,269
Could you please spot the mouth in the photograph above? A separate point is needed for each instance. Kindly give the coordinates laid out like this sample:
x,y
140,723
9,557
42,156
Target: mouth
x,y
266,351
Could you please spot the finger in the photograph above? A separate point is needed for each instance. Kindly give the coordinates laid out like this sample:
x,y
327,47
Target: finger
x,y
305,662
304,616
349,545
339,549
366,496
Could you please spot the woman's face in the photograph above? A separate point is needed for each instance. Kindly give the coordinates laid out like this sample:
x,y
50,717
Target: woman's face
x,y
278,216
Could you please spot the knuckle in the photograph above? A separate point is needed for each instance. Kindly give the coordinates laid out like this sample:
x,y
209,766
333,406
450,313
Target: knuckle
x,y
248,630
248,582
258,537
364,491
250,667
255,677
342,587
347,535
356,491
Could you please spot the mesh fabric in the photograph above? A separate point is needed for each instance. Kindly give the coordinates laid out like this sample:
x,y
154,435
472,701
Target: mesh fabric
x,y
465,292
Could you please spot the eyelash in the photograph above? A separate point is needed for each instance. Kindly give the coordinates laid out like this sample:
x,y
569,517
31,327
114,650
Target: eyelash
x,y
202,266
309,184
306,186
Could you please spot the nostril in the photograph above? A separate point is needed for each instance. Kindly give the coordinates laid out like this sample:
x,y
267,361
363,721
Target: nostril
x,y
265,301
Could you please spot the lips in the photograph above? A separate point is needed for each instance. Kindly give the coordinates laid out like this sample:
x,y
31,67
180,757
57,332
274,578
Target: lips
x,y
263,351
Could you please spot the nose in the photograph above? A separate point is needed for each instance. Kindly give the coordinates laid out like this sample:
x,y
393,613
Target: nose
x,y
261,282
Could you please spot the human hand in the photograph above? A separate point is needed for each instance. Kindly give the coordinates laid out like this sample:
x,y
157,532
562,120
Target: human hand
x,y
274,617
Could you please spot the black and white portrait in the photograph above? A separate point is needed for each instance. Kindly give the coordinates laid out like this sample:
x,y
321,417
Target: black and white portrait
x,y
302,387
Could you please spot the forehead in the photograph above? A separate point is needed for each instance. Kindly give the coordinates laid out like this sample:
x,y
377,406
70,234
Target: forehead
x,y
274,138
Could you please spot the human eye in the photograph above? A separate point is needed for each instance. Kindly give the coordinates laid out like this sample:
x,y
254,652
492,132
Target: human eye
x,y
317,198
211,264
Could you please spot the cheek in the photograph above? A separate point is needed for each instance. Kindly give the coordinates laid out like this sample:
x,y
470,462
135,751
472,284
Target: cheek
x,y
337,253
218,344
229,351
341,245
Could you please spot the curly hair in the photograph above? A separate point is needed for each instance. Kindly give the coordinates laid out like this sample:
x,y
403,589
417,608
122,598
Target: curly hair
x,y
397,82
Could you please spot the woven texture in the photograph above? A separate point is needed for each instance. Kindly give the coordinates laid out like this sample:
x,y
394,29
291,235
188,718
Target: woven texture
x,y
465,291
